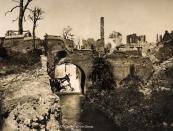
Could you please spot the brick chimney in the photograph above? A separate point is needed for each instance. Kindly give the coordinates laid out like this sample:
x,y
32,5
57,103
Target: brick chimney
x,y
102,33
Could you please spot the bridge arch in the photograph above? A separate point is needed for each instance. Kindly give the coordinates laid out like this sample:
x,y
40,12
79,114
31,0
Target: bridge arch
x,y
76,74
82,78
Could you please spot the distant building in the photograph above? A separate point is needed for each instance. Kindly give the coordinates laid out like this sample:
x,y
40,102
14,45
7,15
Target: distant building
x,y
133,38
116,37
128,47
87,44
158,38
167,37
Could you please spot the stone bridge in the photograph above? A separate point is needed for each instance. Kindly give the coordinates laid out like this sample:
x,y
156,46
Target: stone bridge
x,y
58,52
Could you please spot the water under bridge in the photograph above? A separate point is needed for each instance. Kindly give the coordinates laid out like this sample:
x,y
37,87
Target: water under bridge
x,y
77,114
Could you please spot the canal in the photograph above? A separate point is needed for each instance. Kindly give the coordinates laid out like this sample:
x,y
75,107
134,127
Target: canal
x,y
78,116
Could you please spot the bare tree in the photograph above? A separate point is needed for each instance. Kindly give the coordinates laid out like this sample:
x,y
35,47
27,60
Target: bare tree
x,y
67,33
23,6
68,38
35,17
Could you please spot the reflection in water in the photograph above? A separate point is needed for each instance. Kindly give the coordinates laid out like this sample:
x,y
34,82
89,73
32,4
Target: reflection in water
x,y
78,116
83,118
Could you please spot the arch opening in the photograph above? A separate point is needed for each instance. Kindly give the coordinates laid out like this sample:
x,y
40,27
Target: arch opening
x,y
61,54
71,78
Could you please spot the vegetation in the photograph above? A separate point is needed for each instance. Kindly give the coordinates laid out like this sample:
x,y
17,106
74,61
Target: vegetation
x,y
131,109
68,38
67,33
87,44
102,74
35,17
19,63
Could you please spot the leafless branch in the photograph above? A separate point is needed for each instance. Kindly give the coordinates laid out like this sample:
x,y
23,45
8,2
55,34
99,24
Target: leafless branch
x,y
25,7
15,19
29,9
11,10
36,14
30,17
67,32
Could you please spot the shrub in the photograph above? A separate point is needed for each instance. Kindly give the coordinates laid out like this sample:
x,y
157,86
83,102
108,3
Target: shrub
x,y
162,108
102,74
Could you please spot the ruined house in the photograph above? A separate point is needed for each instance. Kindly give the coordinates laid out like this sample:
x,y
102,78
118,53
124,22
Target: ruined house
x,y
165,47
20,43
158,38
87,44
115,39
167,37
134,38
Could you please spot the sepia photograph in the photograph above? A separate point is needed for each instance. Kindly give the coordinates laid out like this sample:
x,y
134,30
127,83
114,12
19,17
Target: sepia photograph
x,y
86,65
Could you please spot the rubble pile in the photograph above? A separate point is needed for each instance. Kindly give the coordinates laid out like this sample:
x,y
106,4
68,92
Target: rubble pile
x,y
162,77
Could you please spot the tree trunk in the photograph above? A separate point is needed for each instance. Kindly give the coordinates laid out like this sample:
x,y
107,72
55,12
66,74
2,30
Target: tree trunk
x,y
21,24
21,15
33,34
33,31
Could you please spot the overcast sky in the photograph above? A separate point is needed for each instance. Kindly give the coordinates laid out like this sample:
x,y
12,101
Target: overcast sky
x,y
125,16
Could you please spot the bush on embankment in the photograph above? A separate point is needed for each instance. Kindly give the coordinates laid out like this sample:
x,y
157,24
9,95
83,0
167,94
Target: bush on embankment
x,y
18,62
126,107
133,110
102,74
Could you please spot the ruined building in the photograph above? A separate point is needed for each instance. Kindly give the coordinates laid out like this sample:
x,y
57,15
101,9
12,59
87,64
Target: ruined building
x,y
87,44
167,37
133,38
115,38
158,38
166,46
134,45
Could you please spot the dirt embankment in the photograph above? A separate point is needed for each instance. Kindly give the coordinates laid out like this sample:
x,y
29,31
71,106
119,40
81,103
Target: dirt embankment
x,y
28,102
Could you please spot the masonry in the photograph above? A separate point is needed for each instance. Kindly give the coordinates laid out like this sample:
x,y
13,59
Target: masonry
x,y
84,60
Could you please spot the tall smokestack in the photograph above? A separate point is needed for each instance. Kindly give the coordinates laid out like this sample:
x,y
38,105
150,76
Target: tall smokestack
x,y
102,33
157,38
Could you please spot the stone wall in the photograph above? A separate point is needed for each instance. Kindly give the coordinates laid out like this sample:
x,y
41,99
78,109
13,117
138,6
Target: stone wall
x,y
84,60
20,44
121,66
